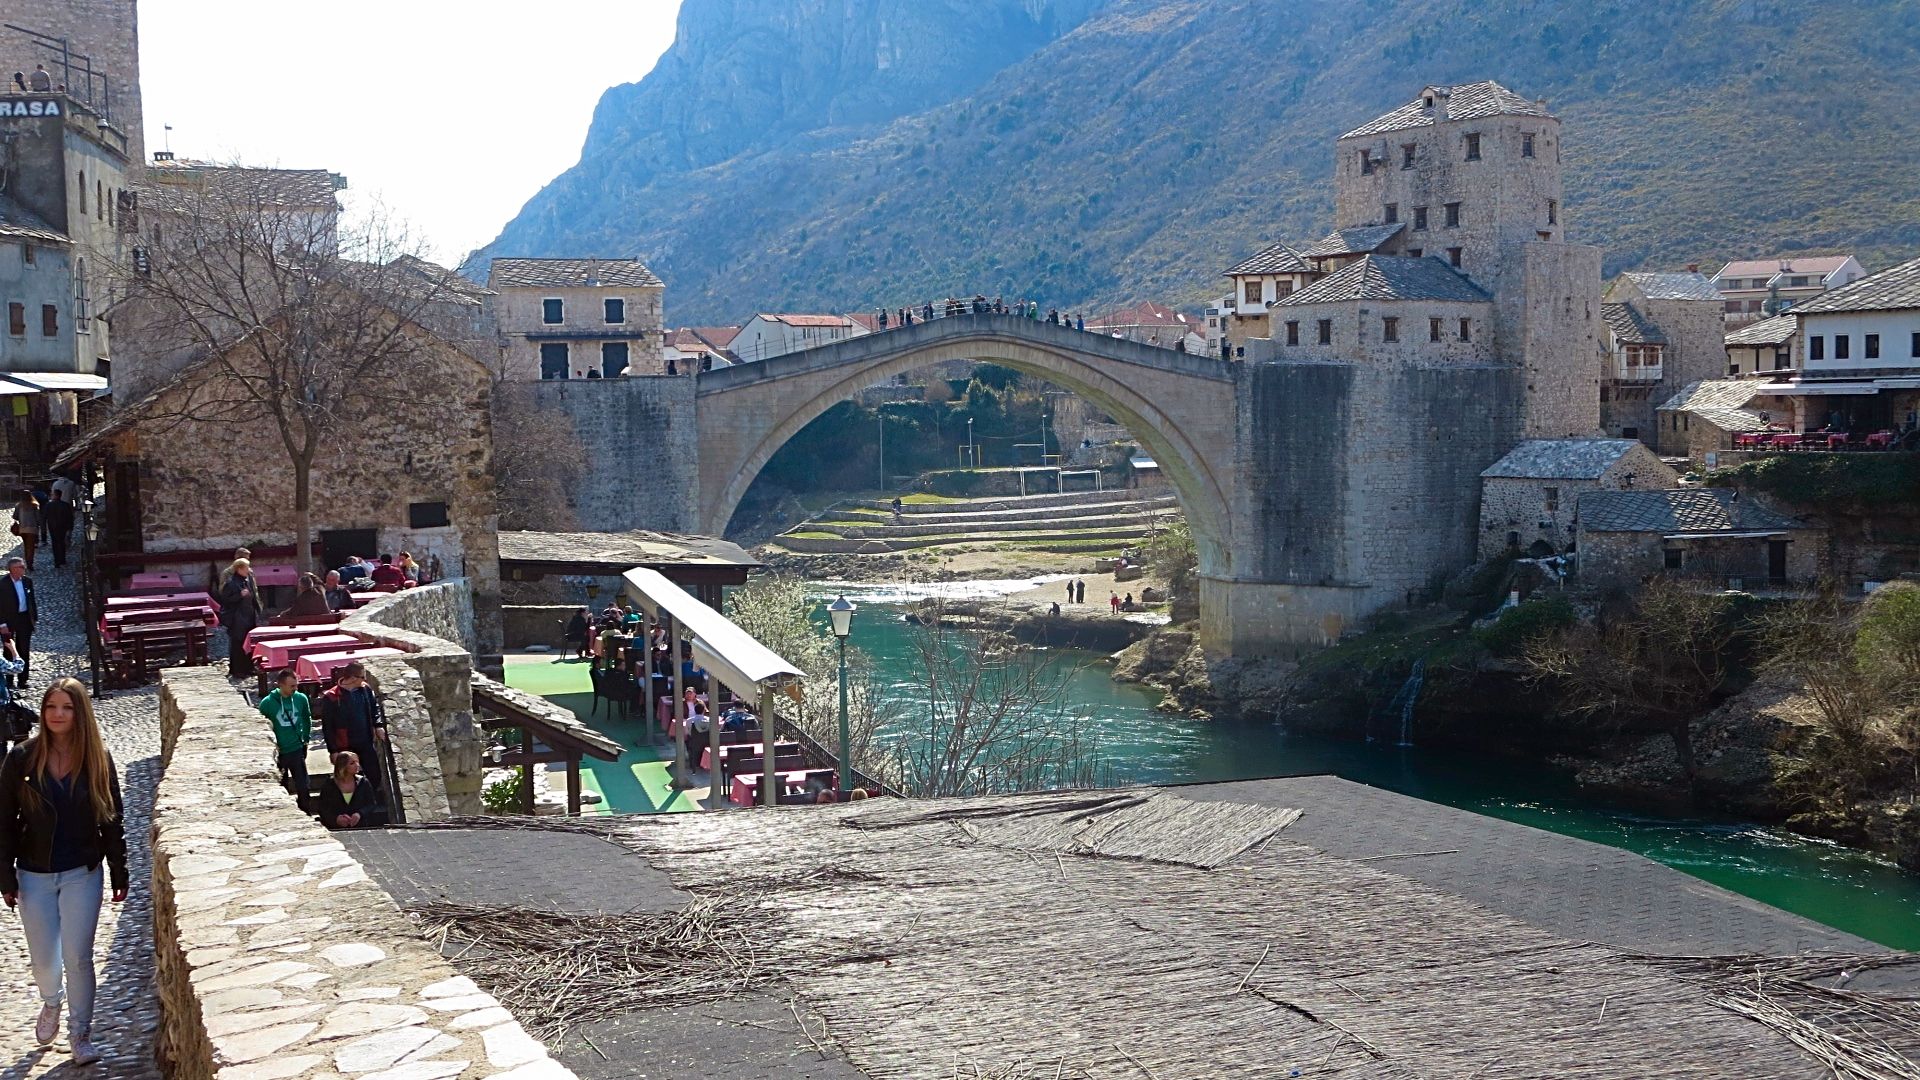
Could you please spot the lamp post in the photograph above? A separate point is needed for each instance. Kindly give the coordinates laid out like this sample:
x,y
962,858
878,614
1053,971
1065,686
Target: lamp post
x,y
841,613
973,462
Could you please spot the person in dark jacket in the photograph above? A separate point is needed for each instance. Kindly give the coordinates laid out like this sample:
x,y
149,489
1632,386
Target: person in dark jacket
x,y
347,715
308,598
57,516
389,575
240,611
60,819
291,715
19,610
347,801
579,628
338,598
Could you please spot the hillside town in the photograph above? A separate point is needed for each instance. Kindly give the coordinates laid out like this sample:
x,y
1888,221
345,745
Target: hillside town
x,y
418,671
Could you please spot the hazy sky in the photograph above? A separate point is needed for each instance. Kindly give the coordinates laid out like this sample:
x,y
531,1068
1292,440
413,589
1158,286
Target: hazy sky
x,y
451,112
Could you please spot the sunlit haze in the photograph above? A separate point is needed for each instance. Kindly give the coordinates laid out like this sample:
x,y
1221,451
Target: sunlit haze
x,y
450,114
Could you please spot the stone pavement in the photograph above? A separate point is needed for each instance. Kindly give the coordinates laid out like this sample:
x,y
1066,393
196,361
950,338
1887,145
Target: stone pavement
x,y
126,1012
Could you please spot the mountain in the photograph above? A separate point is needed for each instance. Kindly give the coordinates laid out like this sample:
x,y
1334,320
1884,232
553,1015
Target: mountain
x,y
848,154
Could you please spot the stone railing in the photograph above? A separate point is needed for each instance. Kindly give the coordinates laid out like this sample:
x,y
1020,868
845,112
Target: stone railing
x,y
436,744
275,957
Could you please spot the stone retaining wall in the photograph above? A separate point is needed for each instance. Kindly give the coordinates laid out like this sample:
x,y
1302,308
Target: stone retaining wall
x,y
535,624
275,957
429,692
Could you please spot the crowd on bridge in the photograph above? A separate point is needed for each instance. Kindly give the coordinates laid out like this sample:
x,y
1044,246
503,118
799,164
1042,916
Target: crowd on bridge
x,y
978,304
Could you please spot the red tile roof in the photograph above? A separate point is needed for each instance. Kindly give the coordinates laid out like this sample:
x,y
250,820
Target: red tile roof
x,y
809,320
1800,264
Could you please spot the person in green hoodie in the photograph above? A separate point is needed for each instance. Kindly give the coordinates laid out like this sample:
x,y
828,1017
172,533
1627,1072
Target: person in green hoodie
x,y
291,715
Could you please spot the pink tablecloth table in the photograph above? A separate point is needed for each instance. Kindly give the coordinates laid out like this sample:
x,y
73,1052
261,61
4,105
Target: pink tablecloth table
x,y
1880,440
367,597
279,652
292,630
747,785
167,599
745,750
154,580
280,574
319,667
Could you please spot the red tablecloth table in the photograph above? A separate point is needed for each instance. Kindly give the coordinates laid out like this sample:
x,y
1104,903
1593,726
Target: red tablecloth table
x,y
367,597
319,667
293,630
166,599
747,785
279,652
154,580
745,750
276,574
1786,442
1880,440
113,622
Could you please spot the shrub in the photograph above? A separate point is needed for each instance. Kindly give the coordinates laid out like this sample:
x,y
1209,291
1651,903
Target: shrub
x,y
1510,634
1888,642
506,794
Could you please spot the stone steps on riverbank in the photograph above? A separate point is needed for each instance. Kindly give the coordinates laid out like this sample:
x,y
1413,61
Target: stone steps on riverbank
x,y
1091,523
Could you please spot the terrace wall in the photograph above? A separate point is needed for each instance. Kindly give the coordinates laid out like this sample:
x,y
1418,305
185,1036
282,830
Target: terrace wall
x,y
429,690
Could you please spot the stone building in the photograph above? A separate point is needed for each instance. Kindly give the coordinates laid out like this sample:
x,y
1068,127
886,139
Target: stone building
x,y
1527,498
1706,534
1270,274
1703,418
579,318
1861,349
410,470
1770,347
1662,330
1755,289
100,63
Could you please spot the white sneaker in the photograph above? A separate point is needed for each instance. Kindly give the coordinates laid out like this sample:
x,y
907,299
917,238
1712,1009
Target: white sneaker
x,y
48,1024
84,1052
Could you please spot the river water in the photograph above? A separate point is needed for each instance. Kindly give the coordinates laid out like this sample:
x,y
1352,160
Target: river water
x,y
1825,882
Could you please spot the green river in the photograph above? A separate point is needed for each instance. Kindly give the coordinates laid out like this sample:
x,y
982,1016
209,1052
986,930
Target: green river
x,y
1822,881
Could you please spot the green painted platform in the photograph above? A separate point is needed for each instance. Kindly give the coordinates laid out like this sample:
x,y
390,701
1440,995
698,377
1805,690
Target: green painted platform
x,y
640,782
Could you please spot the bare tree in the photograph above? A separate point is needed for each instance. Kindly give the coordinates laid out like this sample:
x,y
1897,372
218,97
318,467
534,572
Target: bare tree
x,y
283,317
779,614
537,460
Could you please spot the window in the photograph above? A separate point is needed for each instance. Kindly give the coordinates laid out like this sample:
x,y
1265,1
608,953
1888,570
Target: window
x,y
1433,329
26,254
1733,306
1526,145
1842,347
1783,358
553,360
1796,281
616,311
1406,155
1326,331
1673,558
1419,217
427,515
82,177
1871,346
1816,348
1466,329
552,312
49,320
1473,146
1453,256
1366,163
1453,215
99,201
1414,253
17,320
1553,500
1389,329
1916,345
1282,289
1255,293
1393,213
613,359
1293,331
1733,368
1756,305
1629,432
1553,211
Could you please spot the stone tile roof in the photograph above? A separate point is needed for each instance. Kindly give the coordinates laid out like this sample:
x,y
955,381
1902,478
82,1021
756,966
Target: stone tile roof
x,y
1679,510
1468,101
571,274
1732,420
1629,326
1561,459
174,188
1145,313
452,281
1685,285
1379,277
1783,264
1775,331
1273,259
19,223
1896,288
1713,394
1355,241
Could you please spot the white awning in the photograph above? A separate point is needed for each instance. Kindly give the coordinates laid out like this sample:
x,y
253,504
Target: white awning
x,y
1898,384
729,653
56,380
1142,461
1723,535
1816,388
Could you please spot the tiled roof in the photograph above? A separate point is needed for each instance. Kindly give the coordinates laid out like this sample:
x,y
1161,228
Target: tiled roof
x,y
1146,313
174,187
870,322
452,281
1561,459
1389,277
1274,259
19,223
1685,285
1775,331
717,336
1894,289
571,274
1802,264
1733,420
1679,510
1630,326
1714,394
1355,241
621,549
809,320
1469,101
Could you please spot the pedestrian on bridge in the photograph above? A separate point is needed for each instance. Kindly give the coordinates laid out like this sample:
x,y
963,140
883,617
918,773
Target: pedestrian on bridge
x,y
926,311
1080,322
883,318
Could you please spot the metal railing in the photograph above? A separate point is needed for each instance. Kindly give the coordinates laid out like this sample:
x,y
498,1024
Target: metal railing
x,y
389,769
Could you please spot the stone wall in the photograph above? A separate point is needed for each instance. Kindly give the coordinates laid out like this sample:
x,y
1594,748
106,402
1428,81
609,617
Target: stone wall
x,y
429,692
535,624
518,312
1623,559
106,31
639,440
1510,504
275,957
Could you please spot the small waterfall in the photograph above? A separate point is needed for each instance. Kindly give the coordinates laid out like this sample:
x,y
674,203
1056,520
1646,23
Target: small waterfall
x,y
1404,700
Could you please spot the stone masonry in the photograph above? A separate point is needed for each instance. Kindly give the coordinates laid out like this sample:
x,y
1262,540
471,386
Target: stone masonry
x,y
106,31
429,694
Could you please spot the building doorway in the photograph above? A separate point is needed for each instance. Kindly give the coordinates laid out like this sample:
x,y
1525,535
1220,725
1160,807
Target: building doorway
x,y
339,545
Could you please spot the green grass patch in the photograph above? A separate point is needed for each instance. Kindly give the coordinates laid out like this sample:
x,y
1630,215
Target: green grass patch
x,y
813,534
922,498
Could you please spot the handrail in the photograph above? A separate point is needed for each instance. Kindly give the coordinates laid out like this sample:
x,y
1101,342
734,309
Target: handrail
x,y
389,768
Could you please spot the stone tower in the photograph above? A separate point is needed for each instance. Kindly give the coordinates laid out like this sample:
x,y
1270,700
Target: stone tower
x,y
106,32
1471,175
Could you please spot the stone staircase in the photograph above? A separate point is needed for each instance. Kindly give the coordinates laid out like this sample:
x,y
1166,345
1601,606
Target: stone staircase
x,y
1084,522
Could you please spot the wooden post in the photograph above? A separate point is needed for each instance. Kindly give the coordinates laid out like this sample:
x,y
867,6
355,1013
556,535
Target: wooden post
x,y
681,777
716,795
573,783
526,748
769,787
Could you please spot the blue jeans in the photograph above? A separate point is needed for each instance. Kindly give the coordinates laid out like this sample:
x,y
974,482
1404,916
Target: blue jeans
x,y
60,913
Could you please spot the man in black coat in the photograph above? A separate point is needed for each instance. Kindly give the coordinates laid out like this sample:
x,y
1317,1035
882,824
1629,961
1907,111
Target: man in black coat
x,y
58,518
19,608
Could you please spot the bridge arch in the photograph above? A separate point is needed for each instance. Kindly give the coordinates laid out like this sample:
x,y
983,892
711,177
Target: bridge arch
x,y
1181,407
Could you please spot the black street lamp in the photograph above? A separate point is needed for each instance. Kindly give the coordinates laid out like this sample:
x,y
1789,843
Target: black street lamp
x,y
841,613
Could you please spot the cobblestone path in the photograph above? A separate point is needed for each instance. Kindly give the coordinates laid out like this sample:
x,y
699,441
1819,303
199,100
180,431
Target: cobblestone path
x,y
126,1014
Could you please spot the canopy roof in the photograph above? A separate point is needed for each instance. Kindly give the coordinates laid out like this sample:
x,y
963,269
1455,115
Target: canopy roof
x,y
729,653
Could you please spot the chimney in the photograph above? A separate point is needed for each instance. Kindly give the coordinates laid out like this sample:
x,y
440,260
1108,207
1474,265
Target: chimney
x,y
1693,268
1436,100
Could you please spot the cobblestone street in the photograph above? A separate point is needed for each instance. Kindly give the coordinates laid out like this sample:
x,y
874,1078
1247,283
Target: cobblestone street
x,y
125,1009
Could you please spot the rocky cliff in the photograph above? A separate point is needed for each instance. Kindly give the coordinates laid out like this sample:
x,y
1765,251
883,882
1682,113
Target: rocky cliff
x,y
844,154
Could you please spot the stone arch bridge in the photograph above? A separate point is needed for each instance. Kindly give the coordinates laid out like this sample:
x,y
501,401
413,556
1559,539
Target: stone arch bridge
x,y
1317,491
